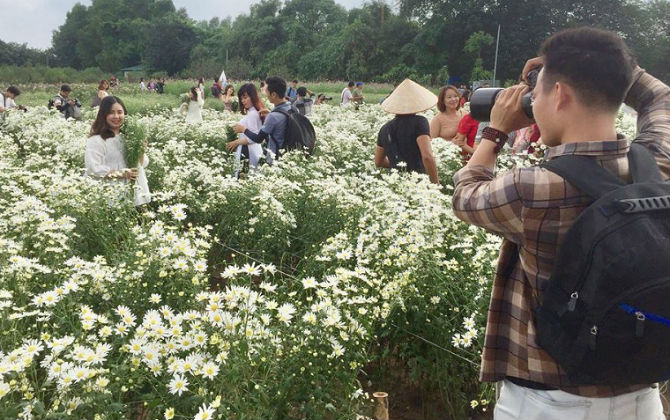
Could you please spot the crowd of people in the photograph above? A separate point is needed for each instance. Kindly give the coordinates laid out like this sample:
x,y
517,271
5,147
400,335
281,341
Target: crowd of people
x,y
584,77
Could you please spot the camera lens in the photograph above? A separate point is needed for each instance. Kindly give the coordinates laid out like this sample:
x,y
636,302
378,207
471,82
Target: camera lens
x,y
483,99
481,102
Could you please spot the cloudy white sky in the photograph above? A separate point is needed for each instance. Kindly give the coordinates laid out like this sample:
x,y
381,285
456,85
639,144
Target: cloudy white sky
x,y
33,21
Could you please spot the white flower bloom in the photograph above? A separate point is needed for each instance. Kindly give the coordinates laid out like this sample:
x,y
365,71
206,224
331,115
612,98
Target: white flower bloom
x,y
309,283
205,413
178,385
285,313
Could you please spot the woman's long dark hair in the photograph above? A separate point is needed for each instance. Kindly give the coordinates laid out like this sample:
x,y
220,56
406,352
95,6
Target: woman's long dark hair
x,y
194,92
250,90
100,124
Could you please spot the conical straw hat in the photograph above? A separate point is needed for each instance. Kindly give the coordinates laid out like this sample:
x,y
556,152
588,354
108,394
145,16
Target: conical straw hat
x,y
409,98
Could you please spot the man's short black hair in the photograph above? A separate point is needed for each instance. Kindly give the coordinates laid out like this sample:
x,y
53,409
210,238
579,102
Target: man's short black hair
x,y
65,88
295,81
14,90
302,91
351,84
595,63
277,85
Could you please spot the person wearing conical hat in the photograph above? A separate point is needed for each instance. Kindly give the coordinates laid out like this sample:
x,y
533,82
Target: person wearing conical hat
x,y
404,142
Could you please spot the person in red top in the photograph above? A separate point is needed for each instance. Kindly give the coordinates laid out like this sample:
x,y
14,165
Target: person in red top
x,y
465,136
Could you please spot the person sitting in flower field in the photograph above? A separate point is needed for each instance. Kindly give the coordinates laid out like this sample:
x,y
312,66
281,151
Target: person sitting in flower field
x,y
254,114
274,127
105,151
405,140
7,98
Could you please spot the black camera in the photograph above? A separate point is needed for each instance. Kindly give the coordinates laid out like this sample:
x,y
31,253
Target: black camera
x,y
483,99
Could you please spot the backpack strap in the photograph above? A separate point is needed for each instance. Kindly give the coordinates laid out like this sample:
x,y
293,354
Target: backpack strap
x,y
643,167
285,114
585,174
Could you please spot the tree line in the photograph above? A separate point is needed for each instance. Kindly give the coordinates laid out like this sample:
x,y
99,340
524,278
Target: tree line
x,y
428,40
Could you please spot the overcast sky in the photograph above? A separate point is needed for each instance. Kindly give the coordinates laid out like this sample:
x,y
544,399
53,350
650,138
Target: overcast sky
x,y
33,21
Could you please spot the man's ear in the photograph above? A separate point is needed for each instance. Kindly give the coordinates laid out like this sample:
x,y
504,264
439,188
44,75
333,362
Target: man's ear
x,y
564,94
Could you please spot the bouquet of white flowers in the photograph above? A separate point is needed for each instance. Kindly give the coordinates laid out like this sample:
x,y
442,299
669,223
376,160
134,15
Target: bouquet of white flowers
x,y
135,139
135,142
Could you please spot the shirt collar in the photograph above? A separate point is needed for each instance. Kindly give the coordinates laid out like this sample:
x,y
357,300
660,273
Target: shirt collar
x,y
620,146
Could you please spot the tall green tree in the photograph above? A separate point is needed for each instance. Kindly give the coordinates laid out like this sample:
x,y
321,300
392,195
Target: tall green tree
x,y
168,42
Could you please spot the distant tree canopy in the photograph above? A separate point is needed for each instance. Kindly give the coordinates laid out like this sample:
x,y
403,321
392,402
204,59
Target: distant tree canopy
x,y
318,39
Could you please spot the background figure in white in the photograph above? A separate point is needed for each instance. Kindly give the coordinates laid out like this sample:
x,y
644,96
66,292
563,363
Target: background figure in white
x,y
254,113
105,151
194,113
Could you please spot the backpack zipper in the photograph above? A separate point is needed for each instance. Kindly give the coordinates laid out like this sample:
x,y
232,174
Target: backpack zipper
x,y
574,296
640,317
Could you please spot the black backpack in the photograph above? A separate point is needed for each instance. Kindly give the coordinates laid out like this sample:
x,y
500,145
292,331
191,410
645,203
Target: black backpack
x,y
299,134
605,313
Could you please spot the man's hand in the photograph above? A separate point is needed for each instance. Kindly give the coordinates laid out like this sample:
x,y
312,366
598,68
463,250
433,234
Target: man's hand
x,y
239,128
232,145
531,64
507,114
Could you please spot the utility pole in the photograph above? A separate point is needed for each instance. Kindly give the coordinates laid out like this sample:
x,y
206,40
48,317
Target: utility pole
x,y
495,62
382,6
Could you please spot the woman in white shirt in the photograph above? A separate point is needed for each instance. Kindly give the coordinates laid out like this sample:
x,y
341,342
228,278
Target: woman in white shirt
x,y
194,113
105,154
254,114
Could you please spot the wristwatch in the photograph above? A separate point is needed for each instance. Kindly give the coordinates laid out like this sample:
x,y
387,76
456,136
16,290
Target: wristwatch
x,y
496,136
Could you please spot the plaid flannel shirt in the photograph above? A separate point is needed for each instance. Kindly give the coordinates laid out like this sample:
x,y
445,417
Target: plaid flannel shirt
x,y
533,208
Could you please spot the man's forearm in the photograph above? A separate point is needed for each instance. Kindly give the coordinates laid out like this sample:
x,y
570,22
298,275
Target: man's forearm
x,y
484,155
256,137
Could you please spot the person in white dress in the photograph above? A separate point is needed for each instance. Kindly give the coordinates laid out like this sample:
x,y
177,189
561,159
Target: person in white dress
x,y
194,113
254,114
105,154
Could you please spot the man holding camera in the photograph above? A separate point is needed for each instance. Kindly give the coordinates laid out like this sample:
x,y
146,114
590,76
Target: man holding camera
x,y
7,99
69,107
585,76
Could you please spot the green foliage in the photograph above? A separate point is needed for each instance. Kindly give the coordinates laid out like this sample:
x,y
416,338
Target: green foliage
x,y
476,42
168,43
231,135
319,39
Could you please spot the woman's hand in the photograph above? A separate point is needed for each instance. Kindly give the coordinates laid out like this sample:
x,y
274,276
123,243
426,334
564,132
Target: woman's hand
x,y
130,174
239,128
459,140
140,161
